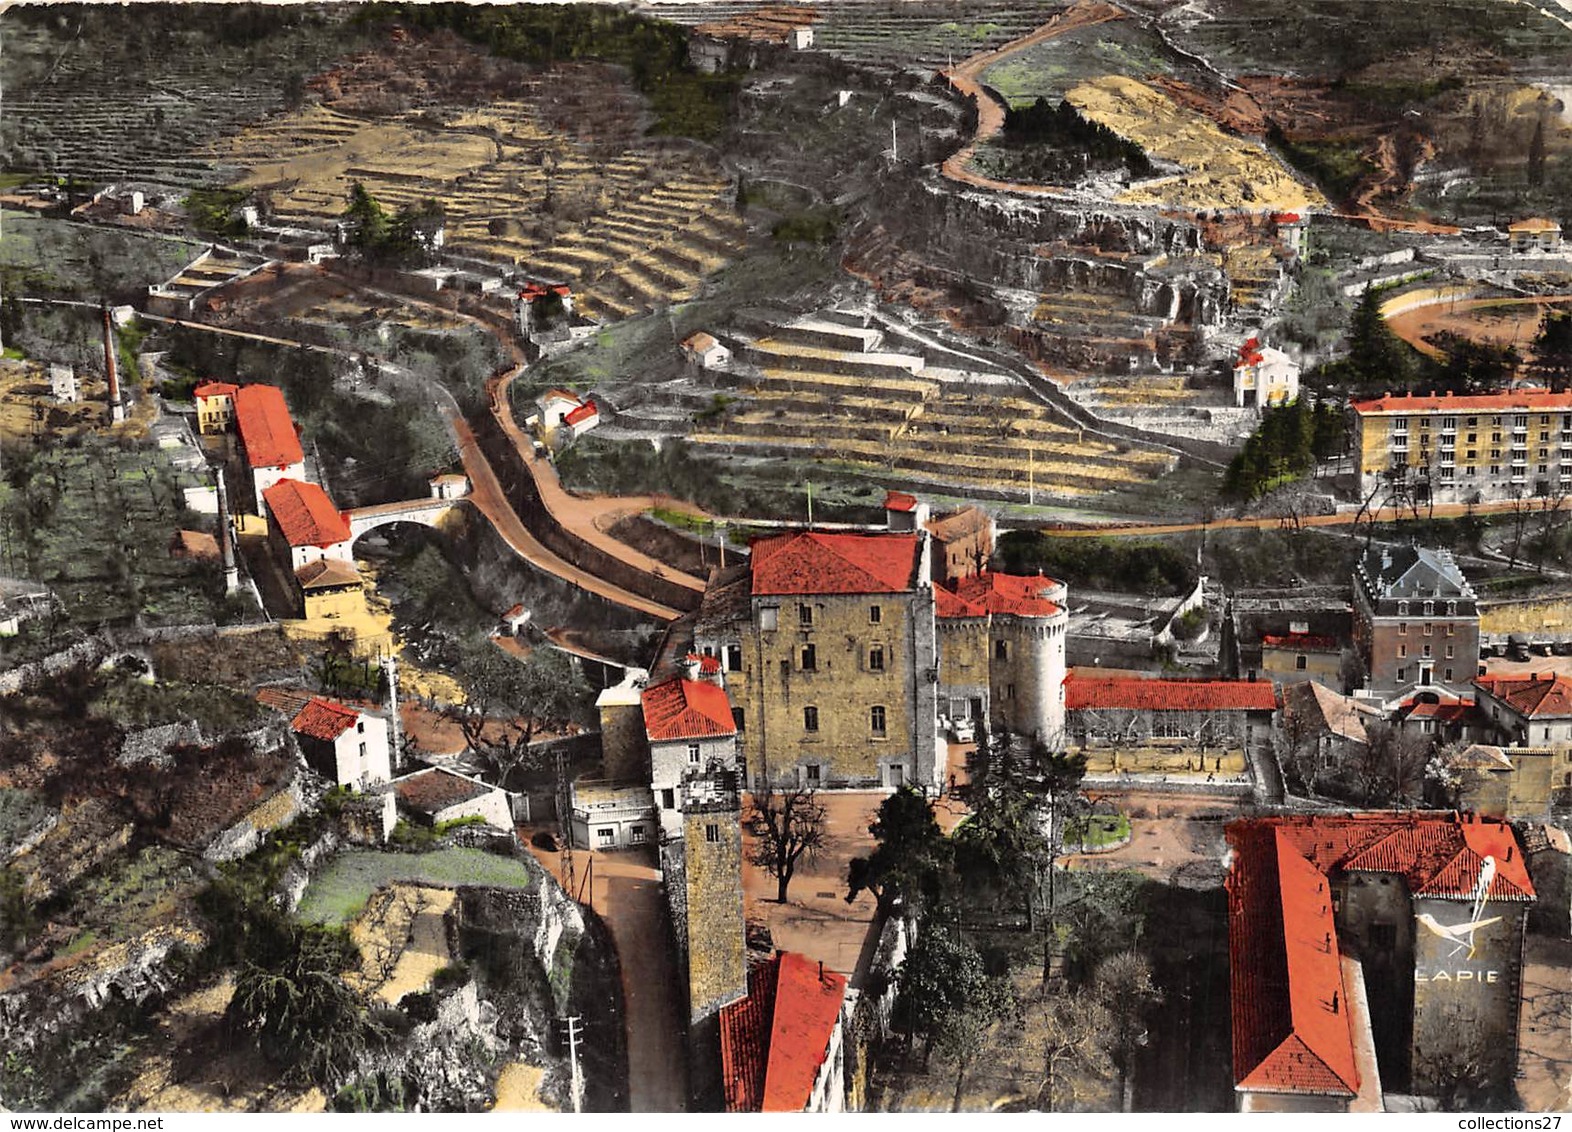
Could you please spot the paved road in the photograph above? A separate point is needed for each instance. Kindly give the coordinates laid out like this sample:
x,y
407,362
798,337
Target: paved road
x,y
626,894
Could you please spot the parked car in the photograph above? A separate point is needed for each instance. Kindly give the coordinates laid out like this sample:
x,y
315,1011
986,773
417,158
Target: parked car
x,y
964,731
1517,647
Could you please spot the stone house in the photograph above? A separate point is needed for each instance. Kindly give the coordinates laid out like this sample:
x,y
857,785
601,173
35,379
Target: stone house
x,y
1416,620
436,795
689,728
1534,234
303,524
1527,710
1145,725
63,385
1512,783
1289,658
706,351
350,745
329,588
1434,907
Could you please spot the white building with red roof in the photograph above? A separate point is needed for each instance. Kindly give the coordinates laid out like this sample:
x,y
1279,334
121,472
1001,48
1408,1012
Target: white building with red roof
x,y
268,439
1371,953
1529,710
783,1046
304,524
348,744
706,351
688,729
1264,376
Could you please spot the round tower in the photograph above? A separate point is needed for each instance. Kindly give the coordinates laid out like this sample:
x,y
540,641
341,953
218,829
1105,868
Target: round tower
x,y
1028,667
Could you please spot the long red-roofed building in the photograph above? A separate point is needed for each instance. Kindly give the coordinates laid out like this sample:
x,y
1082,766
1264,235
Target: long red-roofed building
x,y
782,1045
304,524
1490,446
267,438
1415,918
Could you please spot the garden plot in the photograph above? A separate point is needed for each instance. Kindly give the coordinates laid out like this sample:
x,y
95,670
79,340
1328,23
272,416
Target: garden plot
x,y
343,888
1050,69
1221,171
403,940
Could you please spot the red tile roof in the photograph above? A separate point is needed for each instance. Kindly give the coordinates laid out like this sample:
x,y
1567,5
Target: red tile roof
x,y
584,412
266,430
1537,400
707,664
774,1042
1301,642
1534,224
701,342
817,562
1286,218
1138,694
988,592
1285,971
432,791
325,573
899,501
1250,353
324,719
305,515
686,709
1448,711
1537,697
215,389
745,1040
807,1006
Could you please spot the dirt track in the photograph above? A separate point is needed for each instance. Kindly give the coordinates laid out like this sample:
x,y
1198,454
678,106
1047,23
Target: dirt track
x,y
1464,317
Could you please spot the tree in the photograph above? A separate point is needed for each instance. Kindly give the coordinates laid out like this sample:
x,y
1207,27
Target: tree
x,y
1068,1033
941,975
911,855
1001,848
1536,155
1125,985
368,222
507,702
967,1031
1552,349
787,825
1392,767
1377,358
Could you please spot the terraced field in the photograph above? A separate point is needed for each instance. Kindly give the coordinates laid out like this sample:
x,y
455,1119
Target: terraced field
x,y
824,391
1048,70
629,230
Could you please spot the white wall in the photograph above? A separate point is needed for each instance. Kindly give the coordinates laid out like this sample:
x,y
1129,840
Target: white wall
x,y
362,754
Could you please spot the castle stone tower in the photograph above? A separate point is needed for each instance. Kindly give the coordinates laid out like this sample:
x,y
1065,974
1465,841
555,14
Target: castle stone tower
x,y
716,946
1027,673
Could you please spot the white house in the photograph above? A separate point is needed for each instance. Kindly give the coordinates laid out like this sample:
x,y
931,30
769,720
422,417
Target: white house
x,y
449,485
706,350
612,815
304,525
582,419
555,405
436,795
62,384
688,725
514,620
268,438
347,744
1264,376
1535,234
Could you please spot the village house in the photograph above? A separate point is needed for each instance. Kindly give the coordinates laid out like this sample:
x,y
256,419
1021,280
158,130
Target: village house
x,y
1264,377
328,589
268,439
611,815
783,1046
1323,727
1291,229
1371,953
1416,621
706,351
1459,449
1534,234
215,406
1510,783
689,726
449,485
437,795
1265,632
1289,658
63,385
350,745
1439,717
303,524
962,540
1527,710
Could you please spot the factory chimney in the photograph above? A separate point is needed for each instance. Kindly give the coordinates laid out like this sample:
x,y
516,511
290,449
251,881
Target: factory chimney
x,y
226,538
117,411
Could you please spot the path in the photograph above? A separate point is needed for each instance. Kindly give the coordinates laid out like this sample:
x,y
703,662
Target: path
x,y
486,493
627,895
965,80
1414,324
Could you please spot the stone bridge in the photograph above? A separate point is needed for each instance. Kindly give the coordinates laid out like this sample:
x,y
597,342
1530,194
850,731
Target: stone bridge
x,y
426,512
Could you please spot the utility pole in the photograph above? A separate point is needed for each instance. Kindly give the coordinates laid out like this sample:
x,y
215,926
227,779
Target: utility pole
x,y
573,1024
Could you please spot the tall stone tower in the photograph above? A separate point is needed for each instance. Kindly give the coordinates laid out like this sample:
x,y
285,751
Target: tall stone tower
x,y
716,946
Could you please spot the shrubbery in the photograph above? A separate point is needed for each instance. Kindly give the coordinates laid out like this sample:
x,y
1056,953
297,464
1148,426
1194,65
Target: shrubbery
x,y
1098,563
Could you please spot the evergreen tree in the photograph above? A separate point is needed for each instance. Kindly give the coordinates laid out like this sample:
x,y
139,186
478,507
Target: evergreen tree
x,y
1377,358
1536,155
1552,349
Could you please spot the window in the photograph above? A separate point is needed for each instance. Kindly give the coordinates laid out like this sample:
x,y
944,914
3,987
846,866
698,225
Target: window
x,y
1299,662
1402,650
693,754
876,720
1449,653
1427,650
1429,629
805,615
876,659
362,752
1448,676
1009,691
810,719
1402,609
1402,628
810,659
636,835
668,799
712,832
1430,608
605,835
768,617
733,658
1001,650
360,726
875,615
736,718
811,773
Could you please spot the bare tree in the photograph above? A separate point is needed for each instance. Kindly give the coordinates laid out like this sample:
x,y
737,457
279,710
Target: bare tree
x,y
1127,989
787,825
1068,1035
507,702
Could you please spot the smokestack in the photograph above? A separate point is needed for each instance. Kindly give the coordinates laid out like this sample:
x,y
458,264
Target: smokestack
x,y
117,411
226,538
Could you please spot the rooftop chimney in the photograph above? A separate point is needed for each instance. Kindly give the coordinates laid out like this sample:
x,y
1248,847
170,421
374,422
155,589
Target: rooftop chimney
x,y
117,411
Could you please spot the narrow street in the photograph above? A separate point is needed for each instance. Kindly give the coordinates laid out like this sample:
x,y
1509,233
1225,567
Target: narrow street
x,y
624,889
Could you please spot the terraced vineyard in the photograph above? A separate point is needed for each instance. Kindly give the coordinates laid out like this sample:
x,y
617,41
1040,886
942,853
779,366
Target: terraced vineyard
x,y
629,229
921,34
74,106
831,388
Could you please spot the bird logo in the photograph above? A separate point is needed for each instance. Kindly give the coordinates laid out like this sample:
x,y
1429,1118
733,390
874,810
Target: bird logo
x,y
1460,935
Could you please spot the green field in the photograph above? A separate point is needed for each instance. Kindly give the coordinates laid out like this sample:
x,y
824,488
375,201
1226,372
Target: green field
x,y
341,890
41,254
1048,70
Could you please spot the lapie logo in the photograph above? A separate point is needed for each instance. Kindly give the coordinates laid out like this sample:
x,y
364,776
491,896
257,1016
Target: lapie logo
x,y
1460,976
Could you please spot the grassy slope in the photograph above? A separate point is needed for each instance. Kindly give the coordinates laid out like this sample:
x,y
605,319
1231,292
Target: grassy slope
x,y
341,890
